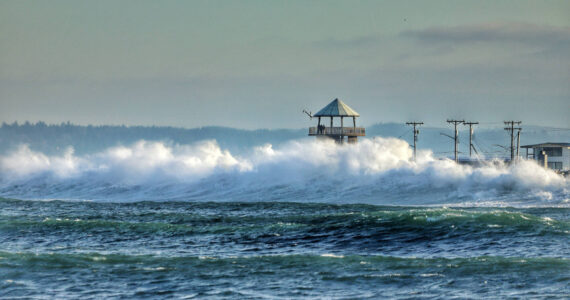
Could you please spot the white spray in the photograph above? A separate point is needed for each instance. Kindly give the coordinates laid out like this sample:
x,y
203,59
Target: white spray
x,y
378,170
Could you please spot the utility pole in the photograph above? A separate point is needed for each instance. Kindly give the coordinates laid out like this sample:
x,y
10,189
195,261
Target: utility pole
x,y
416,132
470,135
518,142
512,129
455,123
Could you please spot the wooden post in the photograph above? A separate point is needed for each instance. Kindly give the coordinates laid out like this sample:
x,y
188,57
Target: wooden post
x,y
331,123
354,123
341,129
518,144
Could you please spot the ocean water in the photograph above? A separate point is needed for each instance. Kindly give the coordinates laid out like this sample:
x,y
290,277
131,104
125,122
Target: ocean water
x,y
306,220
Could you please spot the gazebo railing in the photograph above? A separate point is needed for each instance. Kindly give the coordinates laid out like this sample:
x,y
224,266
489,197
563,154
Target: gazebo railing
x,y
346,131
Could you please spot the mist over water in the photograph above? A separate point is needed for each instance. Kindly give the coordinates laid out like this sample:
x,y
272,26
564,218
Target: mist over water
x,y
374,171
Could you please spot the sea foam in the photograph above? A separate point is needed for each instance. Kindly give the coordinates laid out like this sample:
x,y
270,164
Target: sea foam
x,y
377,170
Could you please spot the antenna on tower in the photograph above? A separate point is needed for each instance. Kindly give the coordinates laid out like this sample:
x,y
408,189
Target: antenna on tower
x,y
310,114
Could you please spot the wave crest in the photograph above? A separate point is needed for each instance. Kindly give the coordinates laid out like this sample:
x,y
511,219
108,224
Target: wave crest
x,y
378,170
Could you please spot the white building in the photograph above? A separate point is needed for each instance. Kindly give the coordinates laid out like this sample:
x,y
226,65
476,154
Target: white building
x,y
554,156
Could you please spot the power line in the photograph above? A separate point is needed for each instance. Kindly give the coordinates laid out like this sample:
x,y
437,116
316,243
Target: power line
x,y
406,132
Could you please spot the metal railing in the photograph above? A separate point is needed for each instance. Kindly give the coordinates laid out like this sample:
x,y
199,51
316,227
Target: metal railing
x,y
346,131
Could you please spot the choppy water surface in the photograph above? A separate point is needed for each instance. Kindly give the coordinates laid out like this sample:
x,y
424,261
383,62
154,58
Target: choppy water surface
x,y
275,249
153,220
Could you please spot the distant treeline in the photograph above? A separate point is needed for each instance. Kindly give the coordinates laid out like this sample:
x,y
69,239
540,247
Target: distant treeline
x,y
52,139
85,139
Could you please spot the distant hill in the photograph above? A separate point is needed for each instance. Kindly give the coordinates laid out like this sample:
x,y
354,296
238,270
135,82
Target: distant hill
x,y
52,139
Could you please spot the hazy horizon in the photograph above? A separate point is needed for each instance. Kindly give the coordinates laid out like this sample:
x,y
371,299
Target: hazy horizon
x,y
444,124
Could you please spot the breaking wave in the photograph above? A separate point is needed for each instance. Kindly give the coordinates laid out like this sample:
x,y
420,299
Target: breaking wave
x,y
377,171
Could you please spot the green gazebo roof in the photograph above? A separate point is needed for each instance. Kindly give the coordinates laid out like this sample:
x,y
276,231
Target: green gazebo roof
x,y
337,108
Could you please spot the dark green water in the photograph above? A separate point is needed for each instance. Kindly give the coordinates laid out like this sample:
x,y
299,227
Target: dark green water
x,y
57,249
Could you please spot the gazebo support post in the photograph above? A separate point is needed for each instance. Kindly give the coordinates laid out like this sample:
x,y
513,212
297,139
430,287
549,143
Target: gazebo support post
x,y
341,129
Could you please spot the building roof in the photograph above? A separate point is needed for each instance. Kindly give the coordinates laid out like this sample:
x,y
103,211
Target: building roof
x,y
337,108
547,144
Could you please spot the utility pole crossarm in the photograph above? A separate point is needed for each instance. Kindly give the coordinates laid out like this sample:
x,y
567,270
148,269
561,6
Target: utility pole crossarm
x,y
416,132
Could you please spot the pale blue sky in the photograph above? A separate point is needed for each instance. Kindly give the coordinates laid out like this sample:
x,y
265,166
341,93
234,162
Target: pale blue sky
x,y
256,64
